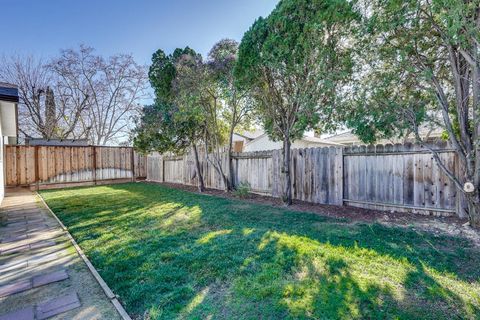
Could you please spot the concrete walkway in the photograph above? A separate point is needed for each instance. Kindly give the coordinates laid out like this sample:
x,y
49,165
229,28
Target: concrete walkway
x,y
41,274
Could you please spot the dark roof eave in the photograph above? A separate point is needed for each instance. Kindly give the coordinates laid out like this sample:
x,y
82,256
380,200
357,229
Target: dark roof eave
x,y
8,98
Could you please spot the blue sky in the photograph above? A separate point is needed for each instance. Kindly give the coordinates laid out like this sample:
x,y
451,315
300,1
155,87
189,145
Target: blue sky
x,y
42,27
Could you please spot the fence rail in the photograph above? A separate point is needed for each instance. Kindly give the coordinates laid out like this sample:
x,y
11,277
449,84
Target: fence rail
x,y
50,166
386,177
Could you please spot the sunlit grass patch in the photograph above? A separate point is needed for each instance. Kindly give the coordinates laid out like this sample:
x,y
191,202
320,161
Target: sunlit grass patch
x,y
173,254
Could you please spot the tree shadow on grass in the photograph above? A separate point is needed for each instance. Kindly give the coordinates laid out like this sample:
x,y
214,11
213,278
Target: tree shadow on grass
x,y
177,254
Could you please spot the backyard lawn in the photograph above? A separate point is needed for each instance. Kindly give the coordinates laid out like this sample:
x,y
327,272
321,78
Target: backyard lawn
x,y
173,254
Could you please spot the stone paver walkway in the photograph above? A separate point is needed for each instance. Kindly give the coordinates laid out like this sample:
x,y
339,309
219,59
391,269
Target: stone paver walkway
x,y
41,274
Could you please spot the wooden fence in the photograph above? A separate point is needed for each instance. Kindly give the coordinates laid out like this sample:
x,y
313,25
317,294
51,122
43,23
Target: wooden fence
x,y
386,177
57,166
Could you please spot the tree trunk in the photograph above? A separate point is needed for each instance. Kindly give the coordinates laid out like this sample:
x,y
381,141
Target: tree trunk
x,y
226,182
50,114
474,209
231,184
201,184
287,198
474,206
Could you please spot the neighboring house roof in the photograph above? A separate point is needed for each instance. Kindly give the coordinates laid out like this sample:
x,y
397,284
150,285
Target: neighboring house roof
x,y
8,92
307,139
242,136
350,138
250,135
344,137
320,140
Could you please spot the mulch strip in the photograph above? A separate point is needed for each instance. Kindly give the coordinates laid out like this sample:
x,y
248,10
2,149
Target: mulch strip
x,y
353,214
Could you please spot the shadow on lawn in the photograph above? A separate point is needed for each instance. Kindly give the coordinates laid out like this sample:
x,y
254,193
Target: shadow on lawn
x,y
176,254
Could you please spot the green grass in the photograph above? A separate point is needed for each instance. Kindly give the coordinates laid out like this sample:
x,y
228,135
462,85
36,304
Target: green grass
x,y
172,254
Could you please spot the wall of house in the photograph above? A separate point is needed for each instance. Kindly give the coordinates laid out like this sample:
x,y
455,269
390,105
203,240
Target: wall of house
x,y
2,148
8,118
8,128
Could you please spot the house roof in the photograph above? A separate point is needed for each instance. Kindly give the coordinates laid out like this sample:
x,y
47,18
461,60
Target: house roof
x,y
8,92
250,135
346,137
320,140
305,138
349,137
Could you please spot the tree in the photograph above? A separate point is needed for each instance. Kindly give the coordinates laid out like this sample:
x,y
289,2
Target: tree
x,y
294,62
77,95
236,100
422,66
174,123
44,110
197,88
114,87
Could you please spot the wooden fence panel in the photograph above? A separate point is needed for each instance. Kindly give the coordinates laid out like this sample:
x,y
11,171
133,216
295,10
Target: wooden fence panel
x,y
399,177
254,168
44,165
140,165
391,177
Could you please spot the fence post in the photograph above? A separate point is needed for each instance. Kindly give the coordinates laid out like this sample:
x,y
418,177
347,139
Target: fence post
x,y
17,162
163,169
94,165
37,175
133,165
340,181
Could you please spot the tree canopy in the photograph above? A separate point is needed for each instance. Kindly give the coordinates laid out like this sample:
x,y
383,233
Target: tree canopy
x,y
168,125
295,61
420,66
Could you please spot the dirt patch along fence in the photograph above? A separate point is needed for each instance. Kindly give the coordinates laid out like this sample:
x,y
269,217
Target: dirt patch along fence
x,y
403,178
58,166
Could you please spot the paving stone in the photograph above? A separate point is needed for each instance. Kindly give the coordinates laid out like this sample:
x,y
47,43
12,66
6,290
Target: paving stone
x,y
25,220
22,217
12,238
33,226
14,229
15,219
16,265
24,247
36,220
15,249
6,236
21,212
16,224
15,287
43,259
42,244
38,227
22,314
57,306
49,278
48,232
19,205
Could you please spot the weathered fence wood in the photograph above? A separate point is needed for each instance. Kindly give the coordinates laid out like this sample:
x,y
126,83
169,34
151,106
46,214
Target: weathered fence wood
x,y
48,165
391,177
400,178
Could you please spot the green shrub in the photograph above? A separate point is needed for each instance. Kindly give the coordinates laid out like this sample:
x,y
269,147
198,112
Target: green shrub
x,y
243,189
